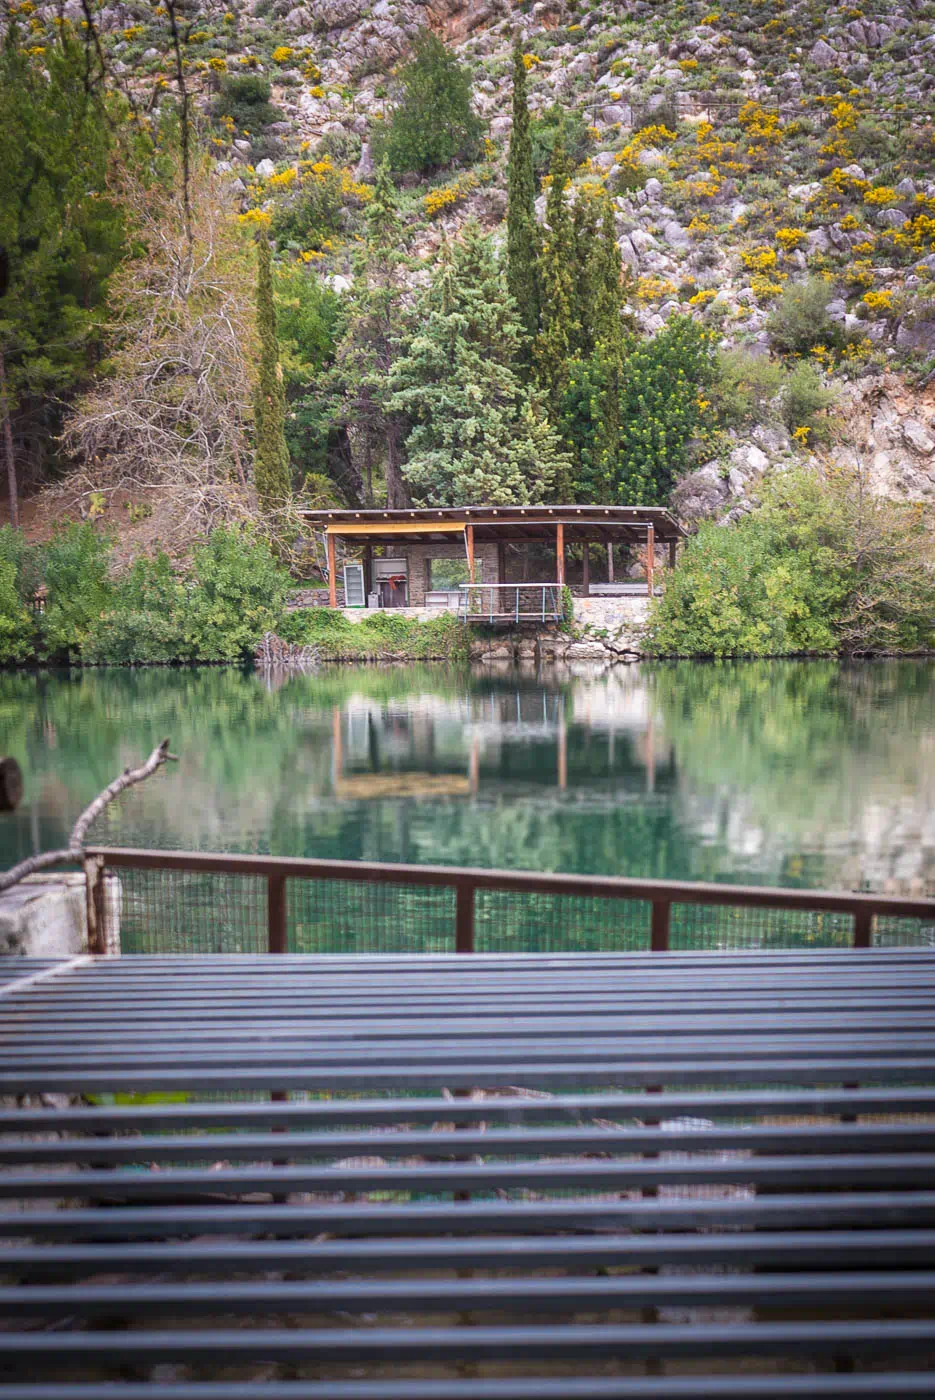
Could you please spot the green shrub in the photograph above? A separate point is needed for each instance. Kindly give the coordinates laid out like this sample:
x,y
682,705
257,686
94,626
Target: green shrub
x,y
378,635
799,318
76,566
17,632
744,387
434,124
146,622
238,592
823,566
805,396
545,130
245,98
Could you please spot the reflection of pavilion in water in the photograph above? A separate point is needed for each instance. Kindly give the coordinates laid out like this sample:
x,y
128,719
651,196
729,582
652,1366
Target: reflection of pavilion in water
x,y
500,739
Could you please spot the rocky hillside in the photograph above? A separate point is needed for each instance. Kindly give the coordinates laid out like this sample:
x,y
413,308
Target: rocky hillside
x,y
746,148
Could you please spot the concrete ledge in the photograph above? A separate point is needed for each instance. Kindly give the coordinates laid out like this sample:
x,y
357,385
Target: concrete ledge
x,y
46,916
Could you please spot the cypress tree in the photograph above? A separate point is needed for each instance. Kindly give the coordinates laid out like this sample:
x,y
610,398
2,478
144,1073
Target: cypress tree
x,y
271,469
560,330
587,270
522,274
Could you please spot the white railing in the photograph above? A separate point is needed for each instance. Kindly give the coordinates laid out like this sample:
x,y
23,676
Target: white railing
x,y
510,602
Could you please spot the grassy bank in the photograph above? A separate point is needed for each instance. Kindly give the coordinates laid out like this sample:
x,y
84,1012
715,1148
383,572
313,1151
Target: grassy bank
x,y
381,636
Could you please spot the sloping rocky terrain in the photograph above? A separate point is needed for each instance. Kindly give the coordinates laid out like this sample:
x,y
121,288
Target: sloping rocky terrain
x,y
746,148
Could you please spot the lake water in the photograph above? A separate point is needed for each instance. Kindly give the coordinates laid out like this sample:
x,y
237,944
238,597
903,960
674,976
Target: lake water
x,y
789,773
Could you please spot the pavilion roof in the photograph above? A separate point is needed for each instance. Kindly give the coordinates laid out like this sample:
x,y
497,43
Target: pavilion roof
x,y
506,524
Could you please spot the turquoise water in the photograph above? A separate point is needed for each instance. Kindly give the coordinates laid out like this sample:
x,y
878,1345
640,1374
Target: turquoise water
x,y
792,773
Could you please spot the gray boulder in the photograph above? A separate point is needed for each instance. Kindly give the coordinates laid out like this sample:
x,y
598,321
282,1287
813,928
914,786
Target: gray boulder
x,y
700,495
823,55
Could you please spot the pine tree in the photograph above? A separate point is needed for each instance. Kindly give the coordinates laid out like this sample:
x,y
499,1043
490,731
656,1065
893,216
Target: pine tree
x,y
560,330
522,234
271,469
479,433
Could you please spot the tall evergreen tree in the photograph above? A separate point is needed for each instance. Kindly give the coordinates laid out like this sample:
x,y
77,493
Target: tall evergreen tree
x,y
560,330
271,469
522,235
479,433
587,270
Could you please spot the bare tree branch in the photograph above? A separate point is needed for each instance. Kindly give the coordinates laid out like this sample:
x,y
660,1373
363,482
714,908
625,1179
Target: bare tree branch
x,y
75,849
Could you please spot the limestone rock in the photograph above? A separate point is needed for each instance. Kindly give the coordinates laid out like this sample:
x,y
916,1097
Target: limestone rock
x,y
823,55
915,436
700,494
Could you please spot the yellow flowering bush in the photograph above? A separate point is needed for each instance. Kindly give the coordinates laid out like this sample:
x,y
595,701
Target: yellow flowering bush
x,y
878,301
760,124
255,218
801,435
882,195
859,273
282,54
844,116
530,60
688,65
217,65
702,298
700,226
448,196
654,289
790,238
759,259
133,32
284,180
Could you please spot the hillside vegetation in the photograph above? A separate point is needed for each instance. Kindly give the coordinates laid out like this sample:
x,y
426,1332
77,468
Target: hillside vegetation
x,y
613,252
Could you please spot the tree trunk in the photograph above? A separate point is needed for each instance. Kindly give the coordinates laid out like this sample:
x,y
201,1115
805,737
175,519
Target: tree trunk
x,y
397,497
8,446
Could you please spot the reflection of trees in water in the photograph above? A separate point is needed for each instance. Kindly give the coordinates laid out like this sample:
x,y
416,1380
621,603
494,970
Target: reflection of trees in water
x,y
825,771
799,772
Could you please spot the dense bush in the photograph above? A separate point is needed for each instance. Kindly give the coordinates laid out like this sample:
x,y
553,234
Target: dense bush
x,y
823,566
146,622
245,98
545,130
745,387
805,396
76,571
237,592
799,319
434,124
377,636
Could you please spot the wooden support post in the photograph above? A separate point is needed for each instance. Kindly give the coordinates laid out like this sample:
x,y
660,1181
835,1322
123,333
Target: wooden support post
x,y
332,574
650,558
368,570
501,562
464,917
610,563
560,554
659,927
586,570
863,928
276,913
469,550
96,905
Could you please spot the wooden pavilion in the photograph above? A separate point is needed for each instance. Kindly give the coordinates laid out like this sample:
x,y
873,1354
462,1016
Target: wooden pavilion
x,y
416,542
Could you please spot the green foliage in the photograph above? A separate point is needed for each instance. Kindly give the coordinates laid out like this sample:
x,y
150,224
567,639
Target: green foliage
x,y
245,98
656,387
557,126
806,396
16,624
308,323
234,592
522,239
146,622
560,330
76,567
271,466
799,318
312,212
238,592
479,434
744,387
434,124
377,636
824,566
60,226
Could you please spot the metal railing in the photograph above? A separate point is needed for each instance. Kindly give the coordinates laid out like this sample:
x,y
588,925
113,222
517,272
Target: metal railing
x,y
510,602
179,901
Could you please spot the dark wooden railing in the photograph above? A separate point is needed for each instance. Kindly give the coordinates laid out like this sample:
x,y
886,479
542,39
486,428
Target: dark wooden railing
x,y
661,895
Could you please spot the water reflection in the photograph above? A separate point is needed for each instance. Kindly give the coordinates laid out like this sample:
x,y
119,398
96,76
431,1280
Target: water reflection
x,y
789,772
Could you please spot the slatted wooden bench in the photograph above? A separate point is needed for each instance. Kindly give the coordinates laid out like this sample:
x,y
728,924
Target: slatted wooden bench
x,y
491,1177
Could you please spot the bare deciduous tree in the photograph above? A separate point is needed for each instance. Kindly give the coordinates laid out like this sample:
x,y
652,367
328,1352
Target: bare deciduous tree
x,y
172,416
